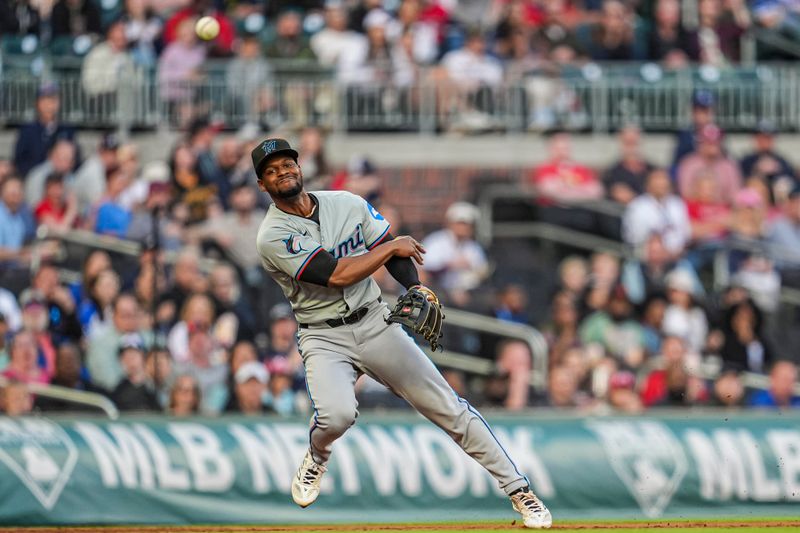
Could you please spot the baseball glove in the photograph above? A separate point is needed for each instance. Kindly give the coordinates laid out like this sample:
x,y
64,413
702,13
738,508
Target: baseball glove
x,y
420,310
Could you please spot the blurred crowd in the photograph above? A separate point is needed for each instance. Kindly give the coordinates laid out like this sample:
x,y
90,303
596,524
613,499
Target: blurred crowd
x,y
351,35
696,304
191,325
466,48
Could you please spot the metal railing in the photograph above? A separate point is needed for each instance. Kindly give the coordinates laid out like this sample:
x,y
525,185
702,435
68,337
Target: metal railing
x,y
90,240
487,228
774,39
77,397
527,334
599,97
486,324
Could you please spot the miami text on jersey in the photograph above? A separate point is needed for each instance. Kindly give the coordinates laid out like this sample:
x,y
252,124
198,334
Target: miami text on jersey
x,y
349,244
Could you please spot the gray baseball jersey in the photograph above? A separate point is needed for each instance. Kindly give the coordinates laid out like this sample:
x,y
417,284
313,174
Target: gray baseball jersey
x,y
348,227
334,357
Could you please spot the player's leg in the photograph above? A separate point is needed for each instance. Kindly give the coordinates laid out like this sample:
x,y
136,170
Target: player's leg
x,y
330,378
393,358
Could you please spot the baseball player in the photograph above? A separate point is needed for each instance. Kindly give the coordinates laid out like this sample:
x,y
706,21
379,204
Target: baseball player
x,y
321,248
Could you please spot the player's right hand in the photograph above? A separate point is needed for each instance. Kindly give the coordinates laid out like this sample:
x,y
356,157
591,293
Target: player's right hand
x,y
406,246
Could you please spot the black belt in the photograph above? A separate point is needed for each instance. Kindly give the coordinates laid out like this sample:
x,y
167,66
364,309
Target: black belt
x,y
352,318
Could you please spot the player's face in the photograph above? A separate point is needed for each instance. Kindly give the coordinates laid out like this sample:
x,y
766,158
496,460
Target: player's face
x,y
281,177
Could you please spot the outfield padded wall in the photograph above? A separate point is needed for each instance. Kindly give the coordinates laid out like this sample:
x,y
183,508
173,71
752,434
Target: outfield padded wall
x,y
239,470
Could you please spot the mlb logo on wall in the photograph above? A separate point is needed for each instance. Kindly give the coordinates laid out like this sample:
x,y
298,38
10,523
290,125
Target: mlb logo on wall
x,y
648,459
40,454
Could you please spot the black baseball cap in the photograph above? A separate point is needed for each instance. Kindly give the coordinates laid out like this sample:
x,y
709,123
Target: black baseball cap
x,y
269,148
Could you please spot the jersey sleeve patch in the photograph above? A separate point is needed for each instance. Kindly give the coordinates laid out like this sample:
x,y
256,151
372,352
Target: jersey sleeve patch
x,y
294,244
374,212
374,226
288,249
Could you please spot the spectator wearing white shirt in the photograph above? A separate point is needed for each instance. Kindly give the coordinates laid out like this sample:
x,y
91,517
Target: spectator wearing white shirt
x,y
369,62
468,77
657,211
9,310
108,63
456,261
471,67
405,69
425,43
683,317
334,40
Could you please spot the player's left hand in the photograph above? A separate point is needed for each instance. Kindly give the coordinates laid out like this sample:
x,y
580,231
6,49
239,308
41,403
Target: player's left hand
x,y
405,246
420,310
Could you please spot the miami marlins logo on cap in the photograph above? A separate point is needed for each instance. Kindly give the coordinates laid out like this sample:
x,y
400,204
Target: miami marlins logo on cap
x,y
269,146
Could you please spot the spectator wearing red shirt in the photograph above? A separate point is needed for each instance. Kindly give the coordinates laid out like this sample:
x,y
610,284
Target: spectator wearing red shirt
x,y
222,45
433,13
57,210
709,216
671,385
622,394
561,180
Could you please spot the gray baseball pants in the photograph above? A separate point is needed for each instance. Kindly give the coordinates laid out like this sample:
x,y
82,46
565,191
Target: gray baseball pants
x,y
335,357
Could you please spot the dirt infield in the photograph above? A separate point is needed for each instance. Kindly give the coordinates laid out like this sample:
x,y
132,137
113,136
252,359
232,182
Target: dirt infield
x,y
477,526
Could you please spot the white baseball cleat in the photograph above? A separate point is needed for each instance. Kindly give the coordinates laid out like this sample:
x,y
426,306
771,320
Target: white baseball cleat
x,y
534,513
305,485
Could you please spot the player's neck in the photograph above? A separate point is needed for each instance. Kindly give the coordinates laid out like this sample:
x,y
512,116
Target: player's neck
x,y
301,205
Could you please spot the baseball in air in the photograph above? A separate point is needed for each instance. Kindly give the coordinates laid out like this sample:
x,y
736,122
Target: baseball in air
x,y
207,28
